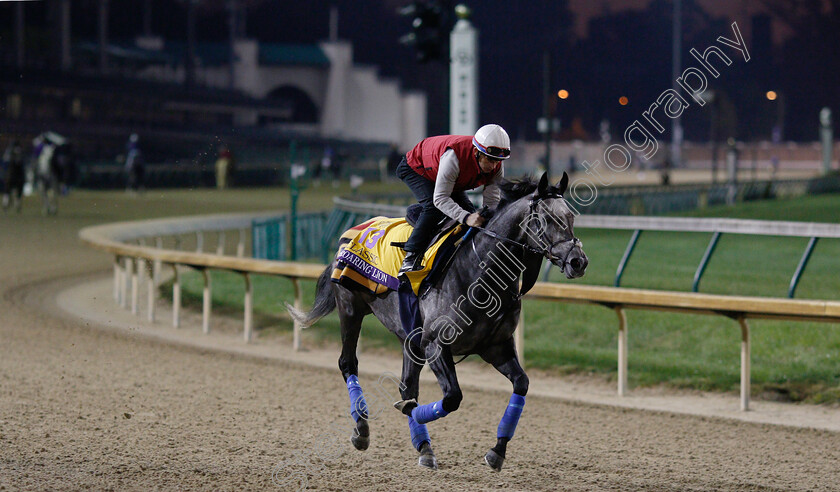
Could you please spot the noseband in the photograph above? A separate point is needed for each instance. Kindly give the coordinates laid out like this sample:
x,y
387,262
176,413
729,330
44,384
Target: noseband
x,y
545,252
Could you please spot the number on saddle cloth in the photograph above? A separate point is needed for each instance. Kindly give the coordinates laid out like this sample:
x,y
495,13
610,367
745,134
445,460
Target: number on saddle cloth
x,y
368,258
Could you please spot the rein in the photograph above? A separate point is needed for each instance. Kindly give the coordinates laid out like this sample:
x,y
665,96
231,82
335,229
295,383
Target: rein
x,y
527,247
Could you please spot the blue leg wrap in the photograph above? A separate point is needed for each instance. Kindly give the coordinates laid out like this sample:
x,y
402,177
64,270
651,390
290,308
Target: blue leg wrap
x,y
429,412
511,417
358,405
419,433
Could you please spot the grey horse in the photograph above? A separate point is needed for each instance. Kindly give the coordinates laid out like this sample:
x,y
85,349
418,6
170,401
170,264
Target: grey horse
x,y
473,308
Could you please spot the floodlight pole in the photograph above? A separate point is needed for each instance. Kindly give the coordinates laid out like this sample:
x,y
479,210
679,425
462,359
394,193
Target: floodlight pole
x,y
103,36
676,65
20,29
233,12
189,62
147,18
548,100
827,139
65,34
463,76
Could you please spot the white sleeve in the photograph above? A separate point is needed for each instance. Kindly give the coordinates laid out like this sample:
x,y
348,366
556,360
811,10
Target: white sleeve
x,y
492,194
448,171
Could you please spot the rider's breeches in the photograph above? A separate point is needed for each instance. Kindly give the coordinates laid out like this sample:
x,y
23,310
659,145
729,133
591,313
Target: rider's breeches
x,y
423,190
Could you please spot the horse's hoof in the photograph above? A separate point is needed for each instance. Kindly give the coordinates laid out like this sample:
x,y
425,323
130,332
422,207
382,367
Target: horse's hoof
x,y
359,441
427,458
493,460
428,461
406,406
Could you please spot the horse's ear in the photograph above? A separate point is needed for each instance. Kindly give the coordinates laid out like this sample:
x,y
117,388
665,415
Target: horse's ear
x,y
563,184
543,186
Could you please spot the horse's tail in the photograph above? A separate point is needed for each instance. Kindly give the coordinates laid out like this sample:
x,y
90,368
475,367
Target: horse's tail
x,y
324,302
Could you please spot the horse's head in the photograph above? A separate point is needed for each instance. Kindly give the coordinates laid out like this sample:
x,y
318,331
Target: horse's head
x,y
549,227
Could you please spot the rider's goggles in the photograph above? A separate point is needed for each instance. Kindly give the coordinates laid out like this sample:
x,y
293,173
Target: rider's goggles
x,y
495,153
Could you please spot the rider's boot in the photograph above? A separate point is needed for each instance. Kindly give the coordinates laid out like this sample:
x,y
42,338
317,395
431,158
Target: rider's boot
x,y
413,262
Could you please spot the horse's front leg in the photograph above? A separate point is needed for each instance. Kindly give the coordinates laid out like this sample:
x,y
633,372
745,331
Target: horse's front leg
x,y
409,391
503,358
439,358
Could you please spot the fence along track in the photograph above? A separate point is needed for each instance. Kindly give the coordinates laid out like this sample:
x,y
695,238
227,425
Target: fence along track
x,y
129,258
113,239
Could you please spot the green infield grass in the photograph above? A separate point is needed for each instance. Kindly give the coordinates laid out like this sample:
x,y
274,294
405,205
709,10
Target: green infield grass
x,y
791,361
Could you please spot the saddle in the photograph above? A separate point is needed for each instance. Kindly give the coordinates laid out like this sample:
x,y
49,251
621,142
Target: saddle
x,y
370,254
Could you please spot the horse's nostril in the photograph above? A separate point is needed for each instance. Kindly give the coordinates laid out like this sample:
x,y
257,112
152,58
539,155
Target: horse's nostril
x,y
576,263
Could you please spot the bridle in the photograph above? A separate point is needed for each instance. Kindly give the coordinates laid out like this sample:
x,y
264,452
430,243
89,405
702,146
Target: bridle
x,y
545,252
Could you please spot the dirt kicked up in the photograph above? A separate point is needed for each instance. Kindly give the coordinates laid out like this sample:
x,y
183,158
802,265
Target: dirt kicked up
x,y
84,408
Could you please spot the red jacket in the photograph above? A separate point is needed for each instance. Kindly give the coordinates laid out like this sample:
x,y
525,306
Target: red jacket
x,y
424,158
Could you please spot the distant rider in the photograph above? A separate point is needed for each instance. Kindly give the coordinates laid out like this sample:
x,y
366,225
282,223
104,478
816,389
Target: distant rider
x,y
15,176
135,166
439,170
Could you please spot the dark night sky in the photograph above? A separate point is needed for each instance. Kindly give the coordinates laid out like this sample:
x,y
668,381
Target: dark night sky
x,y
601,49
511,51
512,39
630,55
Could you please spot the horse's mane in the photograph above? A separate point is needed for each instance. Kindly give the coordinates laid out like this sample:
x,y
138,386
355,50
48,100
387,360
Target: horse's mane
x,y
513,190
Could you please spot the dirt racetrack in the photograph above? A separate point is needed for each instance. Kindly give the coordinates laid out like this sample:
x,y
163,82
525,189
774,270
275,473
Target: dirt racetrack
x,y
83,408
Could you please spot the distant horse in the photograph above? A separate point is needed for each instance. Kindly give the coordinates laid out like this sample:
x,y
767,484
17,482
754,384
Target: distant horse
x,y
474,309
51,153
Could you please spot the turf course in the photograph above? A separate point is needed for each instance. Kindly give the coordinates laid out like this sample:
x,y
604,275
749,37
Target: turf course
x,y
790,360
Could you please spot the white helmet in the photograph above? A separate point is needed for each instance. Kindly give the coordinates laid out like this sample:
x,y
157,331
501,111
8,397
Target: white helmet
x,y
492,141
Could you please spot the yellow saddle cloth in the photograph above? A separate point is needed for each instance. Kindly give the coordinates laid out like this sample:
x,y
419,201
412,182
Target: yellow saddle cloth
x,y
368,260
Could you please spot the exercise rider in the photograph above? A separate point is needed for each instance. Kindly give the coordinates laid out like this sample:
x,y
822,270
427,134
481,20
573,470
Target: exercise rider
x,y
439,170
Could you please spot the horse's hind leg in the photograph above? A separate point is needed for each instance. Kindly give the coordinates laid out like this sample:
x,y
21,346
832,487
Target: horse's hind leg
x,y
503,358
351,310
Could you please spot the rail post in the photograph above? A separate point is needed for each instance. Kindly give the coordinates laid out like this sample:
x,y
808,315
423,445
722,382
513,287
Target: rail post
x,y
298,305
125,282
205,305
627,252
240,246
248,307
117,276
150,314
622,350
745,363
156,275
803,262
135,284
704,262
176,297
220,243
